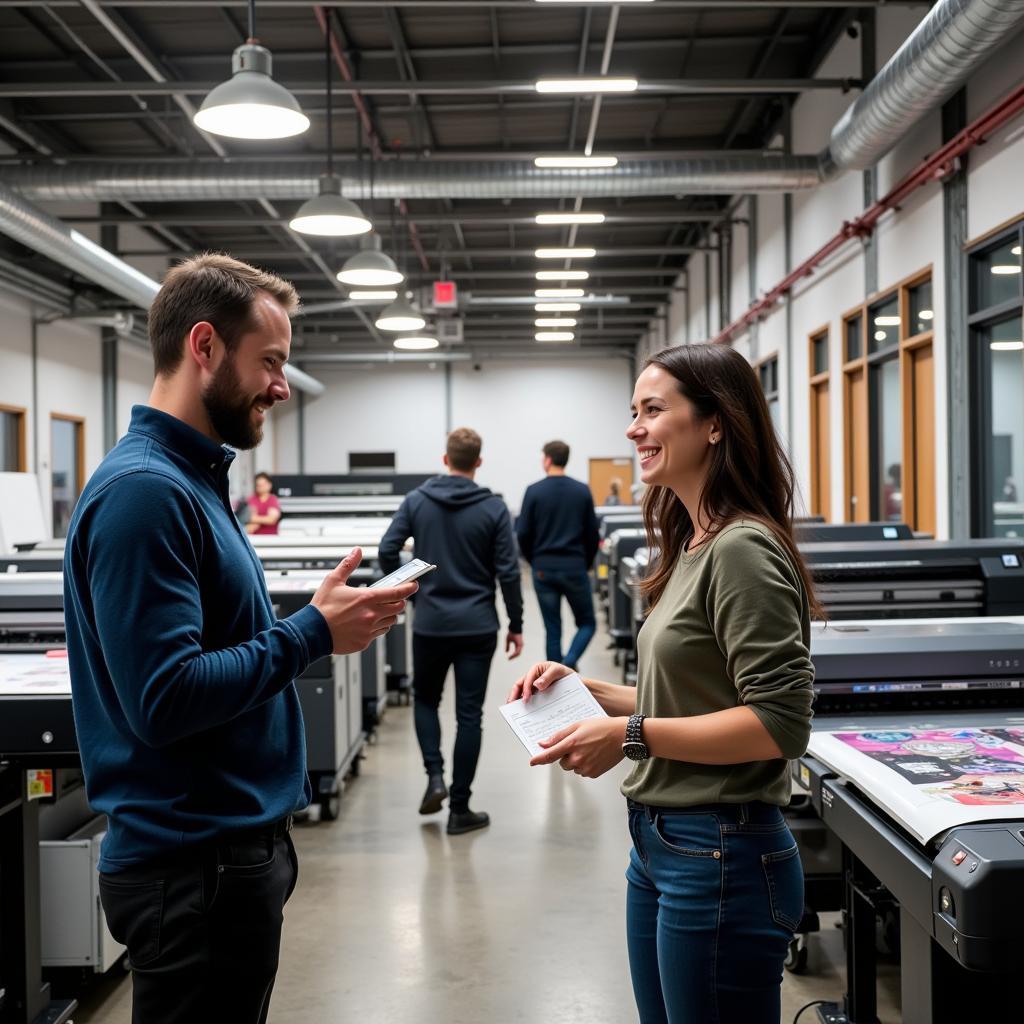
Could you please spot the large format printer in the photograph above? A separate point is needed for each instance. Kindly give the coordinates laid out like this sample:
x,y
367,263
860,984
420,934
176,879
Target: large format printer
x,y
916,767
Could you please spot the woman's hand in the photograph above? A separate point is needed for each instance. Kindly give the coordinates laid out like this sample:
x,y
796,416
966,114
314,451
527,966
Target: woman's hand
x,y
588,748
540,677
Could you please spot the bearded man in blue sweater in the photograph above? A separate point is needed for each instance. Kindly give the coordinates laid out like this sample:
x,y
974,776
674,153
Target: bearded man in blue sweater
x,y
188,720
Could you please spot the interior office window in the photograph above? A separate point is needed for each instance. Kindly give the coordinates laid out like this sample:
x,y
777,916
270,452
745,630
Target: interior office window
x,y
821,474
885,425
996,327
12,440
854,344
768,372
922,310
67,469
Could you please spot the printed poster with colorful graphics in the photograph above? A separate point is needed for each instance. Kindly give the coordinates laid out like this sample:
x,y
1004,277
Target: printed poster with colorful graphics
x,y
932,780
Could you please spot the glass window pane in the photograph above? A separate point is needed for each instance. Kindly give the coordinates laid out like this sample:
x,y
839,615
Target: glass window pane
x,y
884,325
922,310
887,437
997,275
854,349
64,474
10,449
821,354
1005,342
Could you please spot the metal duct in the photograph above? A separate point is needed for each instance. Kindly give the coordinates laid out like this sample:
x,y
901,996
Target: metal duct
x,y
949,45
62,244
509,179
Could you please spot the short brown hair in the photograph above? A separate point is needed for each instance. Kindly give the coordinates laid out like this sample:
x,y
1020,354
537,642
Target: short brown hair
x,y
463,449
212,287
558,453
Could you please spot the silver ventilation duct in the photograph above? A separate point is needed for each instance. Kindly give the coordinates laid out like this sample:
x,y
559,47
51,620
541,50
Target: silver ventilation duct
x,y
941,54
45,234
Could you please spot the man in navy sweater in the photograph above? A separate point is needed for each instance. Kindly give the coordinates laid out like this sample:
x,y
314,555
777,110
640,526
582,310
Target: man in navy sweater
x,y
557,531
188,721
466,531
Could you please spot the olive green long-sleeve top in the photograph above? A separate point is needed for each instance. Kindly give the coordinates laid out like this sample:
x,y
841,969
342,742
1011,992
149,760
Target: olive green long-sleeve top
x,y
731,628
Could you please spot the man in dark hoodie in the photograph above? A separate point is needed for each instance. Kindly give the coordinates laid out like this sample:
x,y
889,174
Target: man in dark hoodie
x,y
466,531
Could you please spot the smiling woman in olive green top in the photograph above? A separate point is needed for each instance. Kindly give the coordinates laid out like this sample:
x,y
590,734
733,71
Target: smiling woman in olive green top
x,y
723,699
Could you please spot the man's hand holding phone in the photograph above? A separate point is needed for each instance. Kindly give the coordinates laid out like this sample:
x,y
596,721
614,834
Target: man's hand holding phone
x,y
356,616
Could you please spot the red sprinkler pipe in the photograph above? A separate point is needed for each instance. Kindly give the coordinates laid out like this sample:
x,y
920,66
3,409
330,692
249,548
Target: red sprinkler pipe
x,y
936,167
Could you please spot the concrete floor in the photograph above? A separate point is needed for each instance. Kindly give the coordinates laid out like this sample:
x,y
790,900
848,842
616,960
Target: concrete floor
x,y
394,922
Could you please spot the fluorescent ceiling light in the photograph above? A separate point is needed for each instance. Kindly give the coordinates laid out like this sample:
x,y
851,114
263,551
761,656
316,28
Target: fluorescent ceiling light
x,y
554,336
586,86
926,314
416,343
370,268
554,321
399,316
1007,346
881,335
556,307
575,161
1015,251
577,253
570,218
559,293
250,104
373,295
562,275
329,213
1006,268
887,321
593,1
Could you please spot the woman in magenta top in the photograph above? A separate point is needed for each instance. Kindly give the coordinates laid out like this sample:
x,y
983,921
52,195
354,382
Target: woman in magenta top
x,y
265,509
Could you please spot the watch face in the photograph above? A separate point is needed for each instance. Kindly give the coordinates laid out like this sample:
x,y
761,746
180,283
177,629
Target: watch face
x,y
635,750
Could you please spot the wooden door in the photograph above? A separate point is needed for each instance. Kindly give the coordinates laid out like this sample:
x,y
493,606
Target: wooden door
x,y
922,454
821,471
858,478
603,472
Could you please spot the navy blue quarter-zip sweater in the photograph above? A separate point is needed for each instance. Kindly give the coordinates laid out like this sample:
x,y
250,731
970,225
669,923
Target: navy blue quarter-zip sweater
x,y
557,525
466,531
188,721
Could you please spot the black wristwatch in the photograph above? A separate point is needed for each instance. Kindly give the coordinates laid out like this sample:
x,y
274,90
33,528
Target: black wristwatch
x,y
634,748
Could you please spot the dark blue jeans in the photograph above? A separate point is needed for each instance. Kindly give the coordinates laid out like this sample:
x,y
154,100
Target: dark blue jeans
x,y
551,586
432,657
715,893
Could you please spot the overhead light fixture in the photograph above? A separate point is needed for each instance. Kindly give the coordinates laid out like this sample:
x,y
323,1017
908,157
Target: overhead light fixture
x,y
562,275
1007,346
559,293
556,307
887,321
554,321
373,295
370,267
571,161
250,104
416,343
881,335
399,316
585,86
577,253
570,217
1015,251
1005,268
594,1
554,336
926,314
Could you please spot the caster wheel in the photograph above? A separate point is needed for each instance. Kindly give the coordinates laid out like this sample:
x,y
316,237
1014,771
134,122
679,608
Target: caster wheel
x,y
329,807
356,766
796,955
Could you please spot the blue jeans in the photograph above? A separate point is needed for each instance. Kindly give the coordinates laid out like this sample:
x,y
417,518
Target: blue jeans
x,y
715,893
551,586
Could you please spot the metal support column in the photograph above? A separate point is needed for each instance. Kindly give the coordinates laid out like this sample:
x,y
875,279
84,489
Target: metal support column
x,y
958,388
109,342
752,272
787,236
707,298
724,275
448,398
301,424
868,68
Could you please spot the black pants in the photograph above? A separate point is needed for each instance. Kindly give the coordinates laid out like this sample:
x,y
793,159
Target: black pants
x,y
432,657
203,933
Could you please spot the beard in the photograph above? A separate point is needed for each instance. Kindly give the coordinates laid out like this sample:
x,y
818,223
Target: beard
x,y
230,409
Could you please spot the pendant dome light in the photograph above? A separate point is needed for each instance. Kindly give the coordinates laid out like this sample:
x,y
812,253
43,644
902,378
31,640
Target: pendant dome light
x,y
329,213
400,316
250,104
370,267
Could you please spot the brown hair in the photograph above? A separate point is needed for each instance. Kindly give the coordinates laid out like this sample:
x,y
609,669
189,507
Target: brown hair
x,y
557,452
213,287
750,476
463,449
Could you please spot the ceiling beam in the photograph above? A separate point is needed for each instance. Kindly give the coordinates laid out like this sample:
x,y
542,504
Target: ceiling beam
x,y
471,5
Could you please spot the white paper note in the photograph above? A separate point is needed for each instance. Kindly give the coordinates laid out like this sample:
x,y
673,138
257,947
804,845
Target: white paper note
x,y
563,703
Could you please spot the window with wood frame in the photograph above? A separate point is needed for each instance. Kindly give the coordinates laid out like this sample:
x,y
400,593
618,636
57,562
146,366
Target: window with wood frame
x,y
67,468
889,407
12,439
768,374
996,328
821,471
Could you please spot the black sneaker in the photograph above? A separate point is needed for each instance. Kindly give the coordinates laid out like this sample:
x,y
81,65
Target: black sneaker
x,y
466,821
435,795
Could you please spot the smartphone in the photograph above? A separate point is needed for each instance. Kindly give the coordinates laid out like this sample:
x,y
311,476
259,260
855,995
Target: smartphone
x,y
406,574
